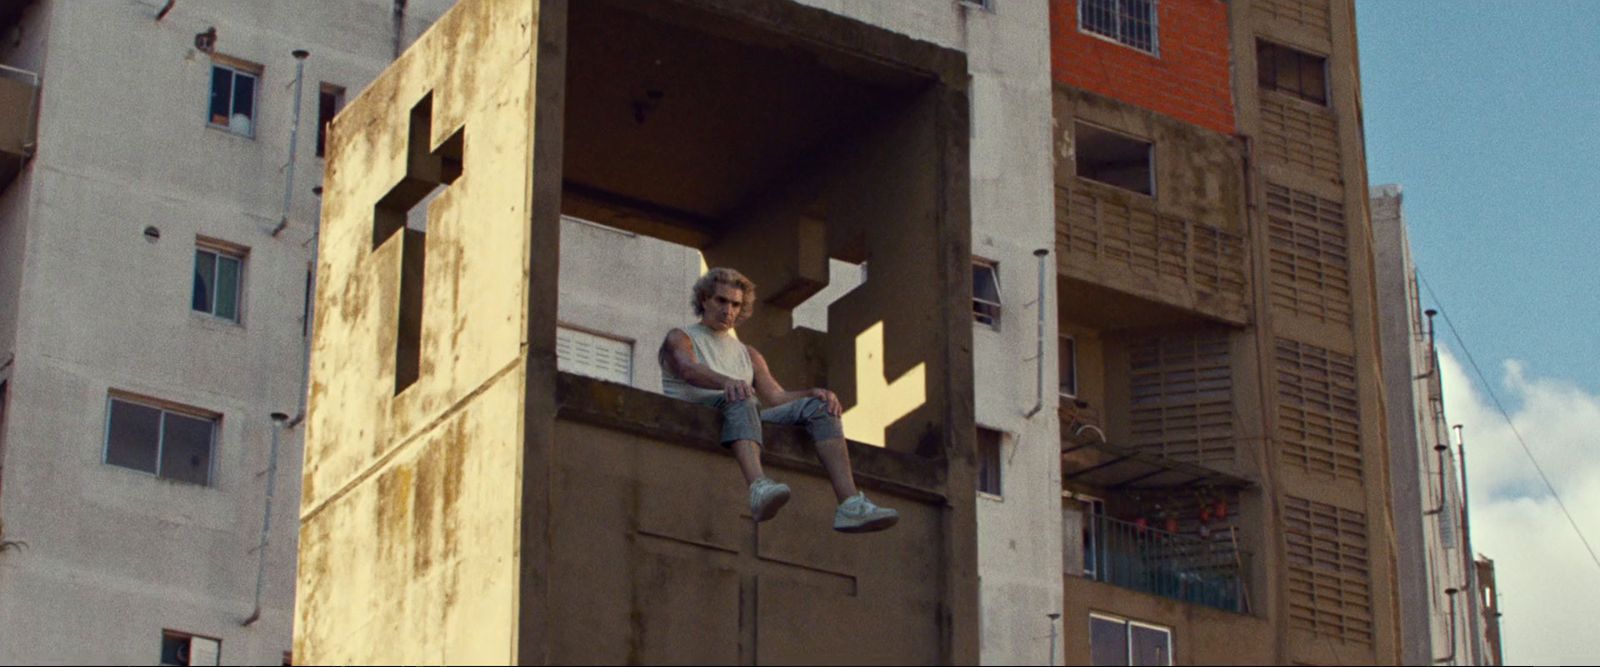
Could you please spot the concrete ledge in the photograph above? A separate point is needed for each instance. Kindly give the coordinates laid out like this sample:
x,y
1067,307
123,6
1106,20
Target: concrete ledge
x,y
658,417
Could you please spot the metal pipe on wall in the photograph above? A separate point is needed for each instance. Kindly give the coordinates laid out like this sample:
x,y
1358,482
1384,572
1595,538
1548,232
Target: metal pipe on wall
x,y
300,56
311,312
1039,353
278,421
1474,613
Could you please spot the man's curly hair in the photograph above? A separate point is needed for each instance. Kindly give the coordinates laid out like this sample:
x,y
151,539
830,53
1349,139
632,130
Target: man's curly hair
x,y
706,286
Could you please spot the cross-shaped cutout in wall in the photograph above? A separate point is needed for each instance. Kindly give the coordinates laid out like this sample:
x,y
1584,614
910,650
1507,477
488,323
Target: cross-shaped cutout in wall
x,y
425,170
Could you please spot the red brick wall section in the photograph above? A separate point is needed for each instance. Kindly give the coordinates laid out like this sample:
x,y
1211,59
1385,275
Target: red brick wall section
x,y
1188,80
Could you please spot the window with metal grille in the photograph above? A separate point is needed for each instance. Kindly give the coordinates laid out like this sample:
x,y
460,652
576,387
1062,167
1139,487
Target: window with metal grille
x,y
168,441
1329,576
1309,257
1117,641
1113,158
1128,22
233,96
182,648
1319,423
1292,71
218,281
986,292
596,356
1181,396
989,461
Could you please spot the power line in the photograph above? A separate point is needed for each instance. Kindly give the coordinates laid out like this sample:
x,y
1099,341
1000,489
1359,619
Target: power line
x,y
1507,415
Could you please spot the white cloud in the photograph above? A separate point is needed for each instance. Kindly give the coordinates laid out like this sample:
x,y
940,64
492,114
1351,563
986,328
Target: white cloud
x,y
1549,585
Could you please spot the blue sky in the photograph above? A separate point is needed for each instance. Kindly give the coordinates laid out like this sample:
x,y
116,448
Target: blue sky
x,y
1488,115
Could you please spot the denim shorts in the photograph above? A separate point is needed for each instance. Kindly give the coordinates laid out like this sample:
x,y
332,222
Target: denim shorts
x,y
741,420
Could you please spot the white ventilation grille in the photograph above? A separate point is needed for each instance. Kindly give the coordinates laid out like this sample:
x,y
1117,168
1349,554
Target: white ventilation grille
x,y
584,353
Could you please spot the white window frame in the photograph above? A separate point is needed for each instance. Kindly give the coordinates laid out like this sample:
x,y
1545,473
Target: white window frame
x,y
216,646
1087,504
999,463
1063,350
161,436
1128,624
1155,27
235,68
221,249
986,319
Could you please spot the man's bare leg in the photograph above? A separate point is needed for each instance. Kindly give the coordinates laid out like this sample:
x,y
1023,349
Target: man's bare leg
x,y
749,455
835,459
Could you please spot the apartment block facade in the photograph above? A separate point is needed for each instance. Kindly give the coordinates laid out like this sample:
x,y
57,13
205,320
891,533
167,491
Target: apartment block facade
x,y
152,316
1448,604
1224,454
1205,306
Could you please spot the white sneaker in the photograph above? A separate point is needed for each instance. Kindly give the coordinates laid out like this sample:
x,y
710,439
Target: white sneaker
x,y
858,515
766,498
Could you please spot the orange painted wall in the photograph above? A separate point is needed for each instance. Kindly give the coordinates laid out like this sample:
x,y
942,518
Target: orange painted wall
x,y
1188,80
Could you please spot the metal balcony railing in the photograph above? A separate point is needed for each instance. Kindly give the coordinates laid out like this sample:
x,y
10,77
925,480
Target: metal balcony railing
x,y
1208,571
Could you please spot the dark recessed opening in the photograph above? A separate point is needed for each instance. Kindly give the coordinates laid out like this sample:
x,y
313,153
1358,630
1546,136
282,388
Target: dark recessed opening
x,y
1114,158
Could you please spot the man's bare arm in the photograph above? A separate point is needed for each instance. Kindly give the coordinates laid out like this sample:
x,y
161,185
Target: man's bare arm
x,y
678,351
772,393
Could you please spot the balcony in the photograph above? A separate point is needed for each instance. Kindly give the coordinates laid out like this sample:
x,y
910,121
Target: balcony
x,y
1206,571
1113,241
19,95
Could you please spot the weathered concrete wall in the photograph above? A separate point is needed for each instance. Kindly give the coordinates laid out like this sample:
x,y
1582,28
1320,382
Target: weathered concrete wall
x,y
660,562
1183,247
411,497
1200,635
1007,52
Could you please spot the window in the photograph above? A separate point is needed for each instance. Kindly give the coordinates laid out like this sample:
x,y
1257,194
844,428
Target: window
x,y
1094,512
182,648
584,353
989,461
1115,641
986,292
233,96
1292,72
1114,159
1128,22
170,442
329,101
1067,364
218,279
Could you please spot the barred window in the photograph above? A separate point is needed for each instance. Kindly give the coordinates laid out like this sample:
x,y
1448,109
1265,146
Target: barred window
x,y
1292,71
1128,22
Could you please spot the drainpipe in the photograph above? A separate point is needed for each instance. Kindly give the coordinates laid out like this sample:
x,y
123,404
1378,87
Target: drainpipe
x,y
311,311
1433,356
1052,616
1452,657
278,420
1466,555
1441,448
1039,353
294,137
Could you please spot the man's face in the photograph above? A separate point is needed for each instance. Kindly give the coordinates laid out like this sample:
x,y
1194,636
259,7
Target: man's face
x,y
723,308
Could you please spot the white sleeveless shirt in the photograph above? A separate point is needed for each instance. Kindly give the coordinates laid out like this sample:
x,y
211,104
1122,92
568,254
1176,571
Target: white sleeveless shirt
x,y
722,352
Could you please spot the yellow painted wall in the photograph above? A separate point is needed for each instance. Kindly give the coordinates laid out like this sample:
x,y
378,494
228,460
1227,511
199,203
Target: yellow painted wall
x,y
411,501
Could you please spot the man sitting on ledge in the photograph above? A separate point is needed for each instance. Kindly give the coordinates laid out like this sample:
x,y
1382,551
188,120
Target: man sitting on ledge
x,y
706,364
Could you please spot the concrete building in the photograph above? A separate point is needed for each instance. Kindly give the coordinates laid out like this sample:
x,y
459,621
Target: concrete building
x,y
1225,460
213,191
1447,613
1209,320
150,320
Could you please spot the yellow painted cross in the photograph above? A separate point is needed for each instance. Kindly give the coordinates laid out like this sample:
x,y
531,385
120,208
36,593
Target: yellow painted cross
x,y
880,402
